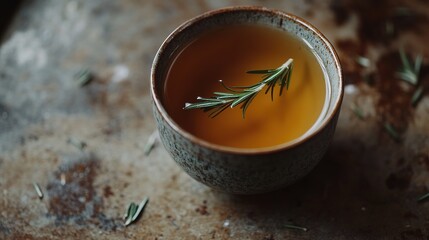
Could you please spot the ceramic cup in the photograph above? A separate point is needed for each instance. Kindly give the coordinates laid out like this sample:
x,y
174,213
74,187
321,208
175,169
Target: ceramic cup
x,y
246,171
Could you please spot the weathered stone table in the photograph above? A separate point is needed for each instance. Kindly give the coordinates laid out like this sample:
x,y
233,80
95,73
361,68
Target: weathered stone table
x,y
84,145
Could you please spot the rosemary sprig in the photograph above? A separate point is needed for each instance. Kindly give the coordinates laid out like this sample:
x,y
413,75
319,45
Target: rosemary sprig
x,y
410,73
244,95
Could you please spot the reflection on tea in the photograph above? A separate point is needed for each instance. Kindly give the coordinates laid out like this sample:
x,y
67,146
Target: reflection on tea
x,y
226,54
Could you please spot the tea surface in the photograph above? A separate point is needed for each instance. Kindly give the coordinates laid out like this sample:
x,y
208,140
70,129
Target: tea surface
x,y
227,53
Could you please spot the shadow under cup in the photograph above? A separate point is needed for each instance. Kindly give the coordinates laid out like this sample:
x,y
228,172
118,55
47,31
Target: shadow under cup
x,y
247,171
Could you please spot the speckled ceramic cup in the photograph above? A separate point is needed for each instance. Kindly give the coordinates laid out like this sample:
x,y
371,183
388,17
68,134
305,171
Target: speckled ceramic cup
x,y
247,171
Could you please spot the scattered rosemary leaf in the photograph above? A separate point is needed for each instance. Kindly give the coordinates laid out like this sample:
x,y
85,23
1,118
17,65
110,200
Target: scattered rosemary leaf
x,y
151,142
132,208
363,61
410,73
78,144
126,213
128,210
142,205
417,95
392,131
38,190
84,77
292,226
357,111
134,211
422,198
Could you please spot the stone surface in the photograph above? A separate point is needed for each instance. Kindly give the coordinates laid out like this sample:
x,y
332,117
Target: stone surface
x,y
365,187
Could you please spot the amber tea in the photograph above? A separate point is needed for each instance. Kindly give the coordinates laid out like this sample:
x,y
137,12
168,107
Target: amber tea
x,y
226,54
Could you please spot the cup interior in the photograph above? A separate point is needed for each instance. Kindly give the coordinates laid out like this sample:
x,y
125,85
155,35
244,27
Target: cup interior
x,y
191,29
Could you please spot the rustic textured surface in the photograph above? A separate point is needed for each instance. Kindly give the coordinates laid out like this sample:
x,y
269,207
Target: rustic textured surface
x,y
365,188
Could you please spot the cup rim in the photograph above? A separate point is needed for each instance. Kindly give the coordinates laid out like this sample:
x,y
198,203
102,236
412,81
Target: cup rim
x,y
247,151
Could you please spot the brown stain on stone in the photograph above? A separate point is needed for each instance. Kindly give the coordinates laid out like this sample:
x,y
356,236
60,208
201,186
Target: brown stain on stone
x,y
423,159
107,191
77,200
394,104
352,48
202,209
375,17
71,199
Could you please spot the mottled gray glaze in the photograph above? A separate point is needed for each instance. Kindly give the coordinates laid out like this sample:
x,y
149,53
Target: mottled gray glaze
x,y
246,171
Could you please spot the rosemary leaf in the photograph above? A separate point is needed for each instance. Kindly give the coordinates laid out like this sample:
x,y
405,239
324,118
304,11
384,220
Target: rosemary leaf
x,y
78,144
151,142
292,226
363,61
244,95
417,95
422,198
357,111
288,75
404,59
132,208
223,94
392,131
134,211
142,205
128,210
38,190
84,77
418,63
264,71
218,111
